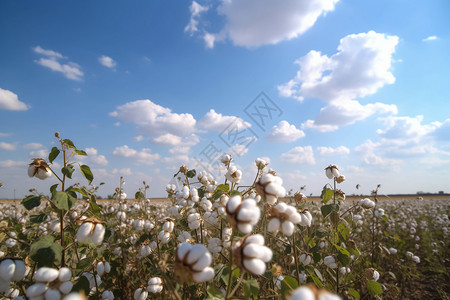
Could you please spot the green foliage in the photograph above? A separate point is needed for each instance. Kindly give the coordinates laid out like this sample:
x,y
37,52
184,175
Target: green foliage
x,y
86,171
68,171
191,173
251,289
326,194
53,154
374,288
328,209
31,201
46,251
354,294
63,200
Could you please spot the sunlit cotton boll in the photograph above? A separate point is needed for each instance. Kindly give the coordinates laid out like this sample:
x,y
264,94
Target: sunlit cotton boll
x,y
243,214
214,245
366,203
164,237
233,174
251,254
194,261
103,267
194,221
330,262
39,169
155,285
51,284
415,259
305,259
270,188
392,250
140,294
91,232
332,171
283,217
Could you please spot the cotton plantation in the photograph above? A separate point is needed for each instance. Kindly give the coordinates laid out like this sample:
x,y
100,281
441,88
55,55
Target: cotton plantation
x,y
216,239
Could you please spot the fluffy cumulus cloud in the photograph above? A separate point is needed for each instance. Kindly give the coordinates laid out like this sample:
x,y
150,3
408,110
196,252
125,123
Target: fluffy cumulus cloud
x,y
7,146
33,146
341,150
52,59
284,132
174,140
196,10
359,68
155,120
93,157
12,164
299,155
250,23
107,61
10,101
218,122
143,157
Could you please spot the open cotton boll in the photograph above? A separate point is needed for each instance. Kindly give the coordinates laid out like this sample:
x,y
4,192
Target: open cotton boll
x,y
45,274
140,294
66,287
51,294
107,295
84,231
64,274
195,253
7,268
303,293
36,290
155,285
98,234
206,274
233,204
254,266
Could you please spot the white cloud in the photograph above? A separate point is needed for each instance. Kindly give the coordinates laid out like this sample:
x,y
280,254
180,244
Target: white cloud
x,y
430,38
284,132
11,164
341,150
107,61
124,171
39,154
144,156
218,122
32,146
369,157
139,138
238,150
7,146
252,23
196,10
10,101
174,140
153,119
346,112
47,52
179,150
70,69
94,157
209,40
299,155
359,68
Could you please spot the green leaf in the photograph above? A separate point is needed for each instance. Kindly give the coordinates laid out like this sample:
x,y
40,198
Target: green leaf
x,y
318,274
68,171
251,288
81,152
328,209
326,194
63,200
139,195
191,173
35,219
344,231
223,187
53,154
31,201
214,293
69,144
235,193
53,188
82,285
343,259
342,250
45,251
384,217
81,191
84,263
354,294
314,277
86,171
94,208
374,288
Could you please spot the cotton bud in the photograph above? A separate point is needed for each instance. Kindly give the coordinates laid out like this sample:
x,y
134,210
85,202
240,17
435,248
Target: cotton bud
x,y
251,254
305,259
155,285
39,168
138,224
270,188
330,262
366,203
283,217
300,198
12,270
260,163
140,294
243,214
103,267
170,189
107,295
225,159
194,221
306,218
91,232
168,225
372,274
233,174
194,261
332,171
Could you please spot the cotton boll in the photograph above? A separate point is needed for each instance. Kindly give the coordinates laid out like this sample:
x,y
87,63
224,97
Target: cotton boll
x,y
303,293
206,274
19,271
98,234
64,274
254,266
233,204
195,253
36,290
182,250
51,294
273,225
45,274
7,269
203,262
65,287
287,228
84,231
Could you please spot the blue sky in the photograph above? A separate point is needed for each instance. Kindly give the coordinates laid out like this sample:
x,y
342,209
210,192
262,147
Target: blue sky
x,y
147,86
